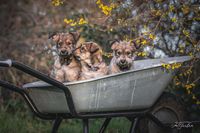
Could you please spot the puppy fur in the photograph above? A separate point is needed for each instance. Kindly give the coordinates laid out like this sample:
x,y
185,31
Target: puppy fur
x,y
92,64
66,67
123,56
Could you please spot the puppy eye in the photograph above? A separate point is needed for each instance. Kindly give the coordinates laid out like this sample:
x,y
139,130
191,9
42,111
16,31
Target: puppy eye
x,y
59,45
129,53
82,49
118,53
69,43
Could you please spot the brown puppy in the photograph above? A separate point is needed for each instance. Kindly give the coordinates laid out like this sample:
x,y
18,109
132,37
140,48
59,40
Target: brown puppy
x,y
122,56
66,67
90,56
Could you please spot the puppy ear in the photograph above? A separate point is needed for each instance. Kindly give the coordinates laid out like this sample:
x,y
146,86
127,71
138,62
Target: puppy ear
x,y
54,36
135,45
93,47
132,45
114,44
51,34
75,35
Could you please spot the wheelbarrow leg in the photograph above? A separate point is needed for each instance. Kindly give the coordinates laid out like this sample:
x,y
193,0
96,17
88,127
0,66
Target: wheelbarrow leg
x,y
56,125
85,126
133,125
105,124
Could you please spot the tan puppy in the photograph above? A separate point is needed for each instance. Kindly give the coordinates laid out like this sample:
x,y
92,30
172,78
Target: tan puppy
x,y
90,56
122,56
66,67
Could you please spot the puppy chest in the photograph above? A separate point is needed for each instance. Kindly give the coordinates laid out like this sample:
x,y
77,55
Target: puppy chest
x,y
71,71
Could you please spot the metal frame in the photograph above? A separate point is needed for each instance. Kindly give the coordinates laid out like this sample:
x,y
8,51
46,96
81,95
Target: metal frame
x,y
133,115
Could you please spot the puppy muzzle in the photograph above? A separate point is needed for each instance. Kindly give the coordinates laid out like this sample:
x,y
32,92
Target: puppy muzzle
x,y
63,53
123,62
124,65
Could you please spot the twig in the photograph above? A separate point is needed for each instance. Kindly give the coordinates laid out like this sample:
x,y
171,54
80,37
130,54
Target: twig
x,y
196,80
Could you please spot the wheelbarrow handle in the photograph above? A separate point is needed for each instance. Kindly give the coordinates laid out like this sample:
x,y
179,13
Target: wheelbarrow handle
x,y
6,63
37,74
27,98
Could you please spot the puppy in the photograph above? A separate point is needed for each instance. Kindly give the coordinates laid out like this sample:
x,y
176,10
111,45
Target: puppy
x,y
90,56
122,56
66,67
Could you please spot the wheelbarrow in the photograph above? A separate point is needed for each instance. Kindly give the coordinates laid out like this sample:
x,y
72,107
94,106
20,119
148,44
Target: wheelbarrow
x,y
136,94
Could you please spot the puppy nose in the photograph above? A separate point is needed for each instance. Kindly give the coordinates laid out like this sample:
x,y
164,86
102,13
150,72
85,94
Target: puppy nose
x,y
123,61
63,52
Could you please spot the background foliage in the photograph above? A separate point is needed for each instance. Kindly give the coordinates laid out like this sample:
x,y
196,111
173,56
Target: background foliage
x,y
162,28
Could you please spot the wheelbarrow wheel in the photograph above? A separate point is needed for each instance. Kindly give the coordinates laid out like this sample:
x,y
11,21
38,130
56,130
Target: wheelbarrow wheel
x,y
168,109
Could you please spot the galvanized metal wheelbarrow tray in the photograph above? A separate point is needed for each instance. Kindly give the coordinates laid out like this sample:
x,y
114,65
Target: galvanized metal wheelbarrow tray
x,y
127,94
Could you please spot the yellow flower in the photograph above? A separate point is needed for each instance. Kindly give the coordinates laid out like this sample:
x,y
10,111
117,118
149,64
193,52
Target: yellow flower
x,y
186,33
56,2
189,71
164,65
171,66
196,18
176,65
174,19
138,41
159,1
142,54
158,13
194,97
82,21
178,83
144,42
191,54
189,86
98,2
181,51
108,55
71,22
168,66
151,36
188,91
104,8
171,7
185,9
68,21
193,84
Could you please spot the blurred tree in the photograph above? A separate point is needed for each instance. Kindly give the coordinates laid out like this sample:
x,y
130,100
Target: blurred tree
x,y
162,28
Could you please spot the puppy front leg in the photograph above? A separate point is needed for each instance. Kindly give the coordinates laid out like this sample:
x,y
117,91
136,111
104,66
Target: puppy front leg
x,y
59,75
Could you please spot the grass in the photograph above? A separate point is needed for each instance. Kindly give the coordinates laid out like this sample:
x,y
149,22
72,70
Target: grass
x,y
25,122
18,119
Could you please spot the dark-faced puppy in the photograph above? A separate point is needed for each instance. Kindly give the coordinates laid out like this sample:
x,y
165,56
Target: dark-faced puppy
x,y
92,64
123,56
66,67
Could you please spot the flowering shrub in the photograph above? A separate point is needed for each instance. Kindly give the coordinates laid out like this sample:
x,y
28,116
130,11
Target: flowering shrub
x,y
161,28
71,22
105,8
